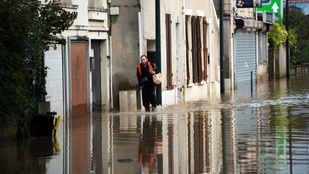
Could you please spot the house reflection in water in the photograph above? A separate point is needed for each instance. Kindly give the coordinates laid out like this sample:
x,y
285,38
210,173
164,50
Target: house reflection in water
x,y
154,143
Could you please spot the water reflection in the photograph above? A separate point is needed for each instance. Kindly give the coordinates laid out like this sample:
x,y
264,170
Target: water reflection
x,y
150,146
28,156
167,143
152,143
261,132
80,145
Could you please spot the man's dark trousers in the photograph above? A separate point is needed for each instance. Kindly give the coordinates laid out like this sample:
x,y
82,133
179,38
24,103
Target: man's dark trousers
x,y
148,94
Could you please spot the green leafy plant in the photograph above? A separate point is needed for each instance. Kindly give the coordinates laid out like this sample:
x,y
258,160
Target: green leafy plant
x,y
27,29
277,36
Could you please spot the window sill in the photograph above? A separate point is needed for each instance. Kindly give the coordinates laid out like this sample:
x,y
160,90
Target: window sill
x,y
203,82
197,84
190,85
68,6
97,9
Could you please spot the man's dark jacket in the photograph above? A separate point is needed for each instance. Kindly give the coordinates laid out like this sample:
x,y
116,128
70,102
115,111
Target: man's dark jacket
x,y
146,73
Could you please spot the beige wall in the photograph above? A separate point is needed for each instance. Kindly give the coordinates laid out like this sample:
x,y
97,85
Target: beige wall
x,y
207,88
148,28
178,9
280,62
125,55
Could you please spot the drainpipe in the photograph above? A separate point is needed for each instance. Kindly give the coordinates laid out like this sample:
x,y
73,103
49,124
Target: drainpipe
x,y
287,42
158,50
185,65
222,87
111,71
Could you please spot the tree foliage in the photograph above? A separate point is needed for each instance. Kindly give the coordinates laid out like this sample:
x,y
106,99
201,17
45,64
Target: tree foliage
x,y
27,29
298,24
277,36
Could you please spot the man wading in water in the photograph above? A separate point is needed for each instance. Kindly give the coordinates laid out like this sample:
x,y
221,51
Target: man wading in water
x,y
145,70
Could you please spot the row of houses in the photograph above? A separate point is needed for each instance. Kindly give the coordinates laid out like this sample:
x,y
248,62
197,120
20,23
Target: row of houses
x,y
104,45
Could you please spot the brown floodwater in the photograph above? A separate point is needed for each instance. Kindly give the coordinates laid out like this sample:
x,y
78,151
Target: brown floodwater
x,y
263,129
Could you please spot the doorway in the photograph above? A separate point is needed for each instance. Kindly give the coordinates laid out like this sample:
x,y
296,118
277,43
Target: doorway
x,y
96,75
79,79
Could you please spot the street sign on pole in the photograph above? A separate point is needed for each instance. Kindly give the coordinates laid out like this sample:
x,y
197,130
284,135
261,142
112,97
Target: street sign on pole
x,y
273,6
266,2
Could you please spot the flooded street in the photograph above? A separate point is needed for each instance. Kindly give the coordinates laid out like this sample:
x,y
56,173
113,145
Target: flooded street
x,y
258,130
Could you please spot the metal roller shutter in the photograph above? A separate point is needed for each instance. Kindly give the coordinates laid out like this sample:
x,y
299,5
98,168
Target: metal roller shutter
x,y
245,58
264,52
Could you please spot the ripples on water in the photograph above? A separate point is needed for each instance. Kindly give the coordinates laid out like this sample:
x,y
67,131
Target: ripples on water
x,y
261,132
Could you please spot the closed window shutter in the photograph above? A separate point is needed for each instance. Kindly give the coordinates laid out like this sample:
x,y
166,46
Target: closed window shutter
x,y
168,52
199,49
194,50
187,51
205,47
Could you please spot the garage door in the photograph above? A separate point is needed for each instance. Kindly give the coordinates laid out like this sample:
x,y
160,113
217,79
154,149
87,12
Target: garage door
x,y
245,58
264,45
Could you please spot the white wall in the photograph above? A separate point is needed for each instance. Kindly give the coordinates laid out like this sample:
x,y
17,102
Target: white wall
x,y
206,89
195,93
178,9
54,84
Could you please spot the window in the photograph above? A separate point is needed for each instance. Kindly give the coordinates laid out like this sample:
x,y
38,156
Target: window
x,y
199,49
169,73
187,50
194,49
205,47
97,3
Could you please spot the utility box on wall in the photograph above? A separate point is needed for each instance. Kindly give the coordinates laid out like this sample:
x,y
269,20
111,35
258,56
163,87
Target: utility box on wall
x,y
114,11
127,101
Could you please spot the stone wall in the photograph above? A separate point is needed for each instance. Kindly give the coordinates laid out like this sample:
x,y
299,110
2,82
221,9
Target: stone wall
x,y
299,69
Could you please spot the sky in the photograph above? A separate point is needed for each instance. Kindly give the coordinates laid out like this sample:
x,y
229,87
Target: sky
x,y
304,6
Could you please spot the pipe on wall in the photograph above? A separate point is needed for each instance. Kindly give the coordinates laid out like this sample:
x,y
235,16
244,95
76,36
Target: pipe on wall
x,y
111,72
140,49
